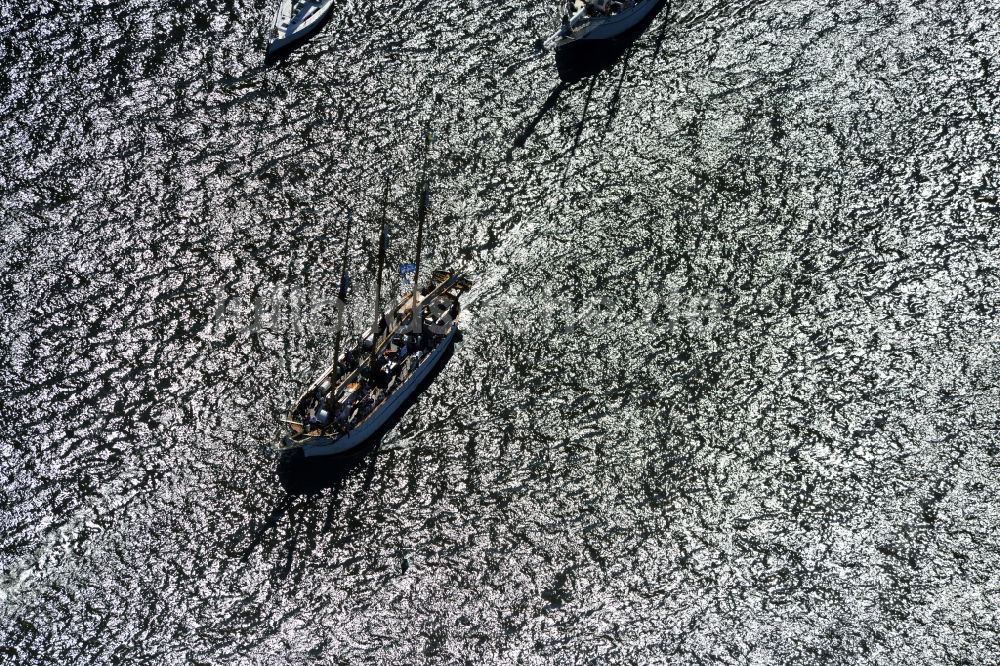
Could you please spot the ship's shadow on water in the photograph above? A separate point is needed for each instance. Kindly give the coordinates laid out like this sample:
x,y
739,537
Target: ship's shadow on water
x,y
585,60
299,475
580,60
550,103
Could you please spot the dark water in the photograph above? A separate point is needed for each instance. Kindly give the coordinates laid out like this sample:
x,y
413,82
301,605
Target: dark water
x,y
728,389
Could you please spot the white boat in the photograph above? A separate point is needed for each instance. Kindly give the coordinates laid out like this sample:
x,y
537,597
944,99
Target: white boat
x,y
595,20
294,21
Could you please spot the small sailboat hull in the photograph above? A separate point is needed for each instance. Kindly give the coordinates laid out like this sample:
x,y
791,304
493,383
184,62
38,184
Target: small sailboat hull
x,y
606,28
294,23
366,434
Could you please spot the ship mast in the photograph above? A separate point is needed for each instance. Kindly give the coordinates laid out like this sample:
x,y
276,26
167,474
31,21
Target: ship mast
x,y
417,318
342,296
383,243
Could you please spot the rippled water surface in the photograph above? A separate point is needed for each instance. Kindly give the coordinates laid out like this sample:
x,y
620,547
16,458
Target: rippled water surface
x,y
728,387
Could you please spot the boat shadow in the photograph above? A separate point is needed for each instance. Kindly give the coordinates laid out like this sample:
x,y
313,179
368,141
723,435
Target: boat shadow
x,y
299,475
584,59
550,103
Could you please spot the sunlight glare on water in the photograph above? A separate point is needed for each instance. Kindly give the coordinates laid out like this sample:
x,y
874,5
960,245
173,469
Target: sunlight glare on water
x,y
727,389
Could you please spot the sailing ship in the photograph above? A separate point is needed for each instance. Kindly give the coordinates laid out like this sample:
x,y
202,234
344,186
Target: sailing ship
x,y
294,21
595,20
359,394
